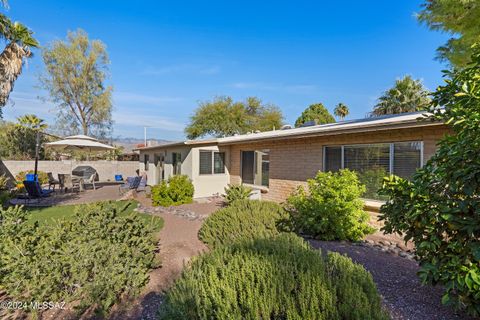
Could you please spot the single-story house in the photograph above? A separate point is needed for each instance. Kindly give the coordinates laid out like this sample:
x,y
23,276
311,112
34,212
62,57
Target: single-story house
x,y
276,162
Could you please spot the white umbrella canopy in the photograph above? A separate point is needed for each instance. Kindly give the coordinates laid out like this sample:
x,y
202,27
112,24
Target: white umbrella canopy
x,y
79,142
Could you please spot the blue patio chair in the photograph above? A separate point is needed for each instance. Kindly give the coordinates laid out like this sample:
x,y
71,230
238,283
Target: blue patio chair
x,y
132,183
35,191
31,177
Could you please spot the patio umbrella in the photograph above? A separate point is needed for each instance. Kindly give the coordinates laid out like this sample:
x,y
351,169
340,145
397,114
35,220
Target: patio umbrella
x,y
80,142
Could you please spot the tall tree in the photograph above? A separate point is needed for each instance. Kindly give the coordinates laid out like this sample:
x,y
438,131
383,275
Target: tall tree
x,y
407,95
76,71
341,111
461,19
317,113
19,41
224,117
18,140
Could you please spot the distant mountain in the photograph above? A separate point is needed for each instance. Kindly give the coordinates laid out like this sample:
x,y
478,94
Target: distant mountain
x,y
131,143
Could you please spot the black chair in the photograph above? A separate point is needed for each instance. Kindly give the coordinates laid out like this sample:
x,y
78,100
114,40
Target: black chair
x,y
35,191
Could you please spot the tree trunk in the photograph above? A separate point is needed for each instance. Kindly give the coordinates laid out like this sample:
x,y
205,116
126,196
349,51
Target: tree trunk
x,y
85,128
11,62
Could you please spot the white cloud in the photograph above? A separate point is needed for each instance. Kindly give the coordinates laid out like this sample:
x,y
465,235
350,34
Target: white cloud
x,y
182,68
21,103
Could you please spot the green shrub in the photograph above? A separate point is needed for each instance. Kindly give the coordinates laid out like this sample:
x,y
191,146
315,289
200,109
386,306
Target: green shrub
x,y
275,278
440,209
331,209
178,190
243,219
93,259
42,176
236,192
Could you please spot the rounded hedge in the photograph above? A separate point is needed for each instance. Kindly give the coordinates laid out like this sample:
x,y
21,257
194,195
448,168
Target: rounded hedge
x,y
273,278
243,219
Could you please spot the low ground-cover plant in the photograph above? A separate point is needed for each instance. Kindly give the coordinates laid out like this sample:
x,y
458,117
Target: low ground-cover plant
x,y
331,208
92,259
236,192
178,190
273,278
243,219
440,208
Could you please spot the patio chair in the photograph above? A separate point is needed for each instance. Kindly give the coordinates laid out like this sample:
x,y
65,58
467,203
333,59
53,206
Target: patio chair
x,y
143,183
91,180
52,181
132,183
35,191
66,182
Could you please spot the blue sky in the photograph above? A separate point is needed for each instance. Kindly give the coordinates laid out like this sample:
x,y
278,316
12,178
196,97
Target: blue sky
x,y
166,56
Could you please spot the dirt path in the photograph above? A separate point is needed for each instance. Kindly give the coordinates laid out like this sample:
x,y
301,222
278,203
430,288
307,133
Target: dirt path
x,y
397,282
178,244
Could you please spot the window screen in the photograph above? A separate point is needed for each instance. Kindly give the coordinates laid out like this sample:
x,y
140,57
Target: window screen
x,y
248,164
219,162
177,163
333,158
367,157
205,162
406,158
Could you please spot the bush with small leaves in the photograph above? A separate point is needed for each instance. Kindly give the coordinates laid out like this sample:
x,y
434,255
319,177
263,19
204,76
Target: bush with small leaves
x,y
331,208
93,259
178,190
243,219
273,278
236,192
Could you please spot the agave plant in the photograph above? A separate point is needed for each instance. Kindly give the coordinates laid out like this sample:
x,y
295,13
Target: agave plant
x,y
19,43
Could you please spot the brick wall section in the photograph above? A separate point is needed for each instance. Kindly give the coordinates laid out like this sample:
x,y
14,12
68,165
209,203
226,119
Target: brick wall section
x,y
293,161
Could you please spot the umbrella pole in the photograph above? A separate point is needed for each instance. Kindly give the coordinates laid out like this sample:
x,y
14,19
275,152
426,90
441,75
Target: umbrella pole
x,y
37,150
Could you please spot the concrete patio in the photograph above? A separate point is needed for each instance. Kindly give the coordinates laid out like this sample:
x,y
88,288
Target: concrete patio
x,y
103,192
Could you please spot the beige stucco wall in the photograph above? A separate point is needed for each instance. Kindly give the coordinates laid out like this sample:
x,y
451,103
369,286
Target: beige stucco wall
x,y
106,169
205,185
293,161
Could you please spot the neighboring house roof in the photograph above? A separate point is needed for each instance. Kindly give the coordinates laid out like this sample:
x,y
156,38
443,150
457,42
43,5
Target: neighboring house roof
x,y
397,121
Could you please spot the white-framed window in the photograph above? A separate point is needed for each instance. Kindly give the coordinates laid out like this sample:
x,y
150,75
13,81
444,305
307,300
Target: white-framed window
x,y
211,162
372,162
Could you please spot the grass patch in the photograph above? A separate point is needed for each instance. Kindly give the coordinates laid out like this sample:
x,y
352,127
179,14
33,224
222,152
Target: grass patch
x,y
46,216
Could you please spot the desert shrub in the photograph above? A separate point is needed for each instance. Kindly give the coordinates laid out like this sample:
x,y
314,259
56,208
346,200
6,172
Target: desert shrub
x,y
275,278
236,192
92,259
42,176
331,209
243,219
440,209
372,179
178,190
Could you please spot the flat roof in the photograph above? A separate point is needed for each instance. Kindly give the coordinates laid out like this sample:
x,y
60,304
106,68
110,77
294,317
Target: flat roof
x,y
396,121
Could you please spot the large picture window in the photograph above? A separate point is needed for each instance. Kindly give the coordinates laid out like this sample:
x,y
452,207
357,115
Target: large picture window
x,y
373,162
212,161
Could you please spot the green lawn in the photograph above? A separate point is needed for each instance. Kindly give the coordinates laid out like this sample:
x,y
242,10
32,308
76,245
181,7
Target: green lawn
x,y
48,215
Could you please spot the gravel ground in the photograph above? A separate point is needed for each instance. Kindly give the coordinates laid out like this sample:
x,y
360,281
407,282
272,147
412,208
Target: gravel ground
x,y
403,294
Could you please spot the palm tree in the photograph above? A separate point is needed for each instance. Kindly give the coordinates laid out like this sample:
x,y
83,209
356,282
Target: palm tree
x,y
31,121
341,111
407,95
20,42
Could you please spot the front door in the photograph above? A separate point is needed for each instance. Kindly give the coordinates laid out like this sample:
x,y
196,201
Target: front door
x,y
248,167
159,165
